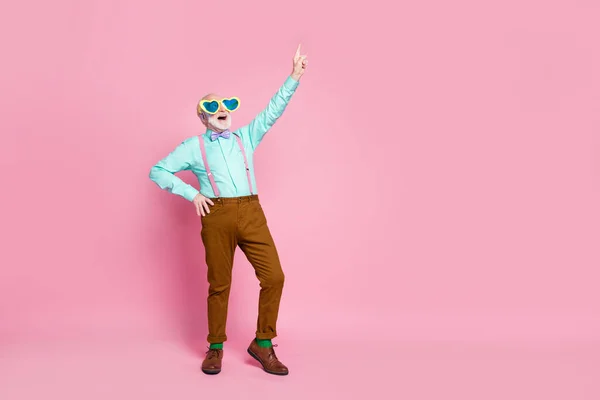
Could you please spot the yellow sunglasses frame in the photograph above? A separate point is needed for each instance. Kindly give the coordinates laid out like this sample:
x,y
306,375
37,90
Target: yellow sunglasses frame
x,y
201,107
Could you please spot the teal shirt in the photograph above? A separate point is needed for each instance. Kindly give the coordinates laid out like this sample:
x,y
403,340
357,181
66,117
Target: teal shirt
x,y
224,156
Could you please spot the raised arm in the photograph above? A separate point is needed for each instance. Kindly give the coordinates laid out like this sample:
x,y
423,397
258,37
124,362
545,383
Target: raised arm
x,y
260,125
163,173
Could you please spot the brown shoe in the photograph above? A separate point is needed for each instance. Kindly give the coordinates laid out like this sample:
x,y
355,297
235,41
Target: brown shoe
x,y
212,363
267,358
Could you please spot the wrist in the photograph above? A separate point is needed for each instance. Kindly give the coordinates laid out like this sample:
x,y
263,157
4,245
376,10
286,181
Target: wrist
x,y
295,76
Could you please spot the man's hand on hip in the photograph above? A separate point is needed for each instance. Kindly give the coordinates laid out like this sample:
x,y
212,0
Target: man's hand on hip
x,y
299,63
201,204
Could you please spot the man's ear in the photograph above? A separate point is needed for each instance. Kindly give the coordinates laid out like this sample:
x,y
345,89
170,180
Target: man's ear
x,y
204,119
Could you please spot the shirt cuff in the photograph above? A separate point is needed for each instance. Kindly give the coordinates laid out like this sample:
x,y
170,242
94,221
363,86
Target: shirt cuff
x,y
190,193
290,83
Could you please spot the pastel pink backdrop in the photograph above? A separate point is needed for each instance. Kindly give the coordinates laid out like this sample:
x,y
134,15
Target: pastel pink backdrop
x,y
435,176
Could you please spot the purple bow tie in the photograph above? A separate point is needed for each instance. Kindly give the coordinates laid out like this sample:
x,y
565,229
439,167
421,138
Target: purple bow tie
x,y
224,135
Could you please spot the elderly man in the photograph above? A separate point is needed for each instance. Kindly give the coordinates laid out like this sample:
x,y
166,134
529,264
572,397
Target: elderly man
x,y
231,213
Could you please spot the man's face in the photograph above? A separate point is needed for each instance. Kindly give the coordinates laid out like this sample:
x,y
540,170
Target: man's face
x,y
219,121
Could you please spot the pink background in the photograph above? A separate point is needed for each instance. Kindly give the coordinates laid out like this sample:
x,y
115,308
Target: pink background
x,y
435,178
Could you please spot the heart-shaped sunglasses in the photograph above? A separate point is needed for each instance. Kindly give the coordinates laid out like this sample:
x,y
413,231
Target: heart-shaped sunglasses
x,y
212,106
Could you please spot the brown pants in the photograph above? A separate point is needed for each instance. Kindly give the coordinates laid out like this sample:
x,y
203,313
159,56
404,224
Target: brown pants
x,y
233,222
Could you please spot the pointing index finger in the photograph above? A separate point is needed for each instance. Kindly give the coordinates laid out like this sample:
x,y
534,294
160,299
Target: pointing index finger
x,y
298,51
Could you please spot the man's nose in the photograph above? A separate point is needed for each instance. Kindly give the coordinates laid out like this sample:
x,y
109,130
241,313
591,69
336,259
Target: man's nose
x,y
222,107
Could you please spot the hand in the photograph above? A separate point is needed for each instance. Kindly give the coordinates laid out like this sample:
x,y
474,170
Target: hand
x,y
300,63
201,204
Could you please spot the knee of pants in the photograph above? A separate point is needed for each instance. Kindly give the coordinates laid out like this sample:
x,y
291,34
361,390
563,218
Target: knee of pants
x,y
218,280
273,280
219,288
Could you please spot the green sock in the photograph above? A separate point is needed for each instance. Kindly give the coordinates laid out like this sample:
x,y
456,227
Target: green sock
x,y
264,342
216,346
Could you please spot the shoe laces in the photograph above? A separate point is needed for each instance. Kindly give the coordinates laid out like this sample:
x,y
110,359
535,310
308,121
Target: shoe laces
x,y
212,353
272,352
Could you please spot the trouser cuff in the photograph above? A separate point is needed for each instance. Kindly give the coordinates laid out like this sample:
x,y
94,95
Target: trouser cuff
x,y
266,336
216,339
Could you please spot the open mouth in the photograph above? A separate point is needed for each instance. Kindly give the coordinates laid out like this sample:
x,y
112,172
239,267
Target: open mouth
x,y
222,117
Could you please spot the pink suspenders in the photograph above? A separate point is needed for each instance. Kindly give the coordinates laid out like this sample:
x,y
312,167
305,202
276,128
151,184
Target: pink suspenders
x,y
239,140
211,178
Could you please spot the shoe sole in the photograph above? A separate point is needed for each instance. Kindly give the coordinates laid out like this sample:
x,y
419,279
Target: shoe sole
x,y
263,366
211,372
